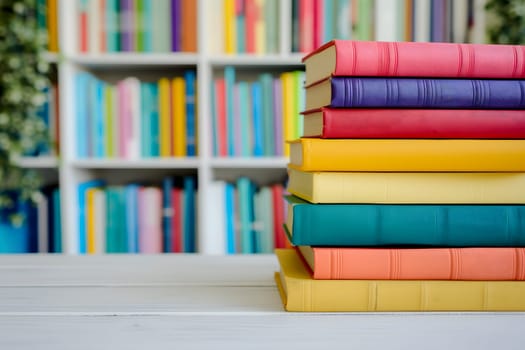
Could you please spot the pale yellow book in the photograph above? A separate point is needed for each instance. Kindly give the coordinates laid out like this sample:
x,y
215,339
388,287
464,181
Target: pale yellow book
x,y
164,117
260,28
315,154
300,292
406,187
178,100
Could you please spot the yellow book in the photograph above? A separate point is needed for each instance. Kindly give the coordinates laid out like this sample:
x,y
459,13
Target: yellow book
x,y
406,188
299,292
52,25
288,103
164,118
230,33
315,154
178,99
90,220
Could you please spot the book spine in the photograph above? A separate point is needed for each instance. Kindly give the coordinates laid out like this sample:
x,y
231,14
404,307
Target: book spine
x,y
422,123
370,58
430,225
431,93
425,264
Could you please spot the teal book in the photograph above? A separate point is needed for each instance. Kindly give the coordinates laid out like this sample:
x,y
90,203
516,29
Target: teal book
x,y
268,134
404,224
245,115
245,192
112,25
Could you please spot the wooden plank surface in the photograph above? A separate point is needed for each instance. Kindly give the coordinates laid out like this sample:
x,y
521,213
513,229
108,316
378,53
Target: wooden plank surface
x,y
203,302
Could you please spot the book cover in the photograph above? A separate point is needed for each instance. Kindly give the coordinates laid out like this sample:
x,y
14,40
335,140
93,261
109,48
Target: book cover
x,y
467,264
410,59
458,225
300,292
448,155
411,123
179,123
408,187
395,92
190,112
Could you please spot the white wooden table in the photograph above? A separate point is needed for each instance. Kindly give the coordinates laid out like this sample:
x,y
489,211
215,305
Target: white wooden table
x,y
205,302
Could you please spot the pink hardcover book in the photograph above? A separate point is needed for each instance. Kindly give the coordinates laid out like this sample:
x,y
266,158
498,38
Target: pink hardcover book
x,y
150,220
423,59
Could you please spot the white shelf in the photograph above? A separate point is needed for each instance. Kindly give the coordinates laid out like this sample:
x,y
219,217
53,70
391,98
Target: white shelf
x,y
114,66
250,162
156,163
247,60
135,59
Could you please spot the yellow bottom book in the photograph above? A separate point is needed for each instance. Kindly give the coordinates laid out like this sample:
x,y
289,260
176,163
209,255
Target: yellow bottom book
x,y
300,292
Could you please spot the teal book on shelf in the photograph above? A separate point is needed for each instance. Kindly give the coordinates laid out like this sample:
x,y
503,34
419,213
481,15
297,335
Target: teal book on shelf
x,y
404,224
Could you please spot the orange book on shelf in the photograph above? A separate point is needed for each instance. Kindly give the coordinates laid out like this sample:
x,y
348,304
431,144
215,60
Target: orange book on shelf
x,y
189,25
471,263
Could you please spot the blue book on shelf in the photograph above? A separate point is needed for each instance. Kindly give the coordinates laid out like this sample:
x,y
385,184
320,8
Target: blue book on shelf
x,y
245,118
16,238
147,25
57,222
99,119
191,130
229,197
167,213
132,223
81,114
145,119
257,113
154,120
189,187
112,25
245,191
81,192
266,81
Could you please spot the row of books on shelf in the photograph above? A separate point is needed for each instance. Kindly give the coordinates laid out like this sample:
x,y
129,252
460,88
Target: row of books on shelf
x,y
47,22
425,218
32,227
134,119
252,216
254,117
136,26
138,218
247,26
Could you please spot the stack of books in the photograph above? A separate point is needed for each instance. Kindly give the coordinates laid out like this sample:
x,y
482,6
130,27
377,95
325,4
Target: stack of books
x,y
407,188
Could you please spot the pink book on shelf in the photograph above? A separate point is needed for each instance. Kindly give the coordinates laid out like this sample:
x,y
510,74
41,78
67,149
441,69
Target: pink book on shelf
x,y
220,105
150,220
318,23
306,25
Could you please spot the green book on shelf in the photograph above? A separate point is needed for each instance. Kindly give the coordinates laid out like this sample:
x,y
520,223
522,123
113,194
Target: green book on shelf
x,y
404,224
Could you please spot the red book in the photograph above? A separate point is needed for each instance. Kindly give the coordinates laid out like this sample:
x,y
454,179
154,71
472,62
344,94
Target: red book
x,y
176,228
278,216
387,123
474,263
83,28
428,59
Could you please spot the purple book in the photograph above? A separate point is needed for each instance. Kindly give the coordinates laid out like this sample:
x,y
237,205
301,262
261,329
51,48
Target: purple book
x,y
175,25
438,20
424,93
126,23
